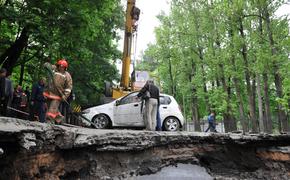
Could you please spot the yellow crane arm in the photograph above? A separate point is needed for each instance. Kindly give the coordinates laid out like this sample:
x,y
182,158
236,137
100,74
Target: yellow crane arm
x,y
132,16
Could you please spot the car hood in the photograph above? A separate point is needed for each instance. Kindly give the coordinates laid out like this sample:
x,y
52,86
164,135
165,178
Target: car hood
x,y
103,107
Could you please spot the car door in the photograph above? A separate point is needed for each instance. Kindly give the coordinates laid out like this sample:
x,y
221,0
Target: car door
x,y
165,109
128,111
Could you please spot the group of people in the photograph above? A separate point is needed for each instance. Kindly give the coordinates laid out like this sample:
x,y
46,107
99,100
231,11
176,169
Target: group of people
x,y
12,98
47,98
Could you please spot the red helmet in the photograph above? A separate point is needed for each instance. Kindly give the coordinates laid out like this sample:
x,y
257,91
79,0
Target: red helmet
x,y
62,62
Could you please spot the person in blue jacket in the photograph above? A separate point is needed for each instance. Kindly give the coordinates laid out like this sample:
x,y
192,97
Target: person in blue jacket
x,y
38,101
211,122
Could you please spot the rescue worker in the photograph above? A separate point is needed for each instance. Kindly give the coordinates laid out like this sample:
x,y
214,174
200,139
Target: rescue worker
x,y
59,89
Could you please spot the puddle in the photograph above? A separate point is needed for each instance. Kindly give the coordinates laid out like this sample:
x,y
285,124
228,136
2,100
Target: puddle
x,y
181,172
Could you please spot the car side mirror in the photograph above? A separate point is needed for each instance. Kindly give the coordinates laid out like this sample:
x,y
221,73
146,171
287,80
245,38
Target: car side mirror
x,y
117,102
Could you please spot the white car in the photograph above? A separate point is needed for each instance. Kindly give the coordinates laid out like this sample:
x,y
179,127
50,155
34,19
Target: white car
x,y
126,112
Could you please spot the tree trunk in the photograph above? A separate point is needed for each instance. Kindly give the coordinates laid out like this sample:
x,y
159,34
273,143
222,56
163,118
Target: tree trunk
x,y
194,110
260,104
207,105
10,57
241,106
268,120
22,66
278,80
236,81
171,77
229,120
228,117
254,94
251,99
263,119
194,101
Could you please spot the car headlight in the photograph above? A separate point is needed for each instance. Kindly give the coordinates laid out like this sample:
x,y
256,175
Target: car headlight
x,y
86,111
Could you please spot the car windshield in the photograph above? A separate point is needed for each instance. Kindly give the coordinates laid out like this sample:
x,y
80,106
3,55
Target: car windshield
x,y
131,98
164,100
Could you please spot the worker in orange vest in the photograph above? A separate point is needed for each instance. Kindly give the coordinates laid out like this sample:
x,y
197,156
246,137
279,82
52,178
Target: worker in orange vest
x,y
59,89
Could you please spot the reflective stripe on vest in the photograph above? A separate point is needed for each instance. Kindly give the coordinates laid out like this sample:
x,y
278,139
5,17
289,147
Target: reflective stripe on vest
x,y
51,96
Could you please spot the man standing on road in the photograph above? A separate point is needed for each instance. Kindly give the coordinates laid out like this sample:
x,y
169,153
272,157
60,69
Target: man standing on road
x,y
6,92
59,88
38,101
3,100
150,93
211,122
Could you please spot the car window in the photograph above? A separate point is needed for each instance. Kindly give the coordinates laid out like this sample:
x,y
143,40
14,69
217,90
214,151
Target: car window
x,y
164,100
131,98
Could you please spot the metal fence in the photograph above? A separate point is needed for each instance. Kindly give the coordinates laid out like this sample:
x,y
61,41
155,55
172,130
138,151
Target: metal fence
x,y
189,126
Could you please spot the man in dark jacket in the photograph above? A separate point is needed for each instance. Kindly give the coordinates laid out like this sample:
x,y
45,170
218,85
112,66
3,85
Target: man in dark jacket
x,y
151,103
6,92
38,100
9,93
3,104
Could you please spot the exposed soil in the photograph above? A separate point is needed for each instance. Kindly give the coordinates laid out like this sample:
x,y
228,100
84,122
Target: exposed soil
x,y
30,150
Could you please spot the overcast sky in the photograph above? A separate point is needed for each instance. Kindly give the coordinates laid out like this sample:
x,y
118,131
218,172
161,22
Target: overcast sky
x,y
148,21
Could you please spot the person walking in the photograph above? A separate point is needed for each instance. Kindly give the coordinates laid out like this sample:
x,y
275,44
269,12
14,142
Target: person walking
x,y
59,89
211,122
38,101
150,93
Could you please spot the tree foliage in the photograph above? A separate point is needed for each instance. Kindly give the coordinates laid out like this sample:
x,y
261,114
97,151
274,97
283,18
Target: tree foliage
x,y
33,32
212,56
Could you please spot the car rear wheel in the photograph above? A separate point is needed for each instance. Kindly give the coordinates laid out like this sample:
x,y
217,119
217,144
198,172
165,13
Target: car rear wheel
x,y
171,124
101,121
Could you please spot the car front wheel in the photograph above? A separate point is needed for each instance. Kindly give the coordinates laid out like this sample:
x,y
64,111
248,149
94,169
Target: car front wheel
x,y
101,121
171,124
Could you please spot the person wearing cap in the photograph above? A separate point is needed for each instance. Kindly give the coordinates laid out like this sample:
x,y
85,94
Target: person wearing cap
x,y
59,89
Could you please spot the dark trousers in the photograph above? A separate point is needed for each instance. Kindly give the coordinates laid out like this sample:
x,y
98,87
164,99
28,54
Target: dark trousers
x,y
38,108
211,127
64,108
3,106
158,124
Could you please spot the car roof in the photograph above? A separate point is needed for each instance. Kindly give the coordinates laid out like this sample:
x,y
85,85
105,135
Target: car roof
x,y
161,94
